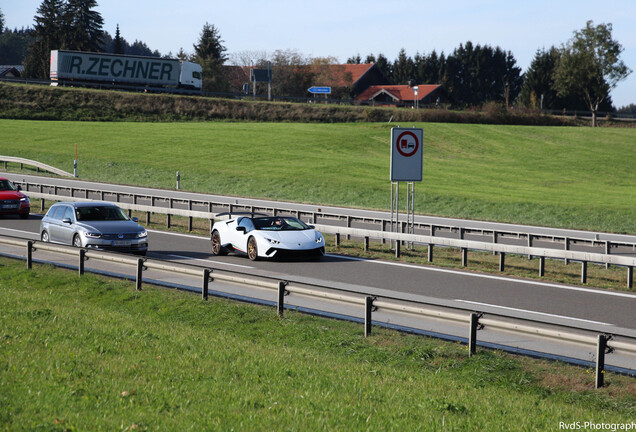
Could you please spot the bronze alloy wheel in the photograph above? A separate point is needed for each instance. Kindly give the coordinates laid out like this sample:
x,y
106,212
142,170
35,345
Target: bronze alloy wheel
x,y
252,250
217,249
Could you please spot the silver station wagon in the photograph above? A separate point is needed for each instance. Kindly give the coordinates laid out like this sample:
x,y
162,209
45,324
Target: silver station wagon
x,y
93,225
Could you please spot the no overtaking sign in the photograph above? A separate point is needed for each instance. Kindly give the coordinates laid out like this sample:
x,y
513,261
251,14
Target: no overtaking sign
x,y
406,154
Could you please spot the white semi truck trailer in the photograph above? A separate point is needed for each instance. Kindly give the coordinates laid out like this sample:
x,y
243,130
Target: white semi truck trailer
x,y
124,70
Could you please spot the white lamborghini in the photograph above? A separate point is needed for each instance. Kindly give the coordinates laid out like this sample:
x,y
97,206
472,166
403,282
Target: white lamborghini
x,y
262,236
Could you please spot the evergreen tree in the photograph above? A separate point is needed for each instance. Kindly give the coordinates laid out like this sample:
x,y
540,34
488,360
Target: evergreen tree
x,y
118,44
474,75
1,22
385,66
355,59
210,54
403,69
48,35
83,26
14,45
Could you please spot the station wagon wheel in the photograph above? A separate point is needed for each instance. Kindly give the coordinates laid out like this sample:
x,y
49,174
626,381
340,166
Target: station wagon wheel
x,y
252,250
45,236
77,241
217,249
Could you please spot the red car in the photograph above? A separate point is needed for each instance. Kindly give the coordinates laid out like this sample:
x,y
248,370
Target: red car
x,y
12,201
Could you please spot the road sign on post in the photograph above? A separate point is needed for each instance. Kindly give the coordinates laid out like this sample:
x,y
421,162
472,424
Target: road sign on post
x,y
319,90
407,154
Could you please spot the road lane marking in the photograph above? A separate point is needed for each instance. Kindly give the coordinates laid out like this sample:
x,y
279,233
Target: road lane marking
x,y
180,234
19,231
532,312
485,276
207,261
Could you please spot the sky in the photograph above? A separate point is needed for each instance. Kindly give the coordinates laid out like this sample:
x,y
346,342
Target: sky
x,y
345,28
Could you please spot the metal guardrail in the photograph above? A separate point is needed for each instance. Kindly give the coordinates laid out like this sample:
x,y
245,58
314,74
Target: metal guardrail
x,y
38,165
431,240
475,321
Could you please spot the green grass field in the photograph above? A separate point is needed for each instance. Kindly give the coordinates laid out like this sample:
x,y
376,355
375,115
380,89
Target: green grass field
x,y
80,354
553,176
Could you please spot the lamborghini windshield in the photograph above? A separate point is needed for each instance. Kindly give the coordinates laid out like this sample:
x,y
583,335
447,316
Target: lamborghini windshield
x,y
279,223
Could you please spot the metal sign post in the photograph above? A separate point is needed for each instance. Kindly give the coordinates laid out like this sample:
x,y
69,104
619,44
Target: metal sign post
x,y
406,165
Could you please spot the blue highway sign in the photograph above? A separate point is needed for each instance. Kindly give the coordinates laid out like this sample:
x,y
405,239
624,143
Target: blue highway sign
x,y
320,90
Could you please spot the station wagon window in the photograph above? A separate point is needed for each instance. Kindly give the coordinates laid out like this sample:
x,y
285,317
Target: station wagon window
x,y
68,213
56,212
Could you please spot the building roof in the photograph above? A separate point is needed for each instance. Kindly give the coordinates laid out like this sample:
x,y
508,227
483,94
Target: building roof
x,y
11,70
398,92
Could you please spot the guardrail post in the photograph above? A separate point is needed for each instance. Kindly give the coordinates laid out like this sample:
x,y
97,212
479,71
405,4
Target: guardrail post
x,y
190,217
82,257
567,247
366,244
282,292
494,240
630,277
529,244
541,266
607,252
368,310
472,337
206,283
41,204
140,269
601,350
464,257
502,261
337,238
430,252
583,272
398,246
29,255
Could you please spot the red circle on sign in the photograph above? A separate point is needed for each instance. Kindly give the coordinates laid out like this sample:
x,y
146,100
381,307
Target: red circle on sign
x,y
404,146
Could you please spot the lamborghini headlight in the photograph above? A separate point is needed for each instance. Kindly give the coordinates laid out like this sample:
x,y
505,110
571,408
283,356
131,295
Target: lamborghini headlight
x,y
319,238
271,241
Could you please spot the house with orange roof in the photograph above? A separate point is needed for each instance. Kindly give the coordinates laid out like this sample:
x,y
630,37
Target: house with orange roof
x,y
400,95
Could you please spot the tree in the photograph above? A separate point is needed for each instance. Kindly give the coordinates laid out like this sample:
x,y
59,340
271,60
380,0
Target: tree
x,y
474,75
403,69
14,45
589,66
1,22
83,26
48,35
118,43
210,54
355,59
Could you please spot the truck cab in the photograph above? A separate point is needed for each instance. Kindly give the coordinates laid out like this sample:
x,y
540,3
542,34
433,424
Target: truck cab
x,y
191,75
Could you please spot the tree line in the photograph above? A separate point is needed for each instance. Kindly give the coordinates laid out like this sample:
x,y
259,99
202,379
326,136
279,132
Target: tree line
x,y
579,75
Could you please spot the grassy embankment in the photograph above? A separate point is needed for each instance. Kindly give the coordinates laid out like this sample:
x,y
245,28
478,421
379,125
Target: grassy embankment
x,y
562,177
92,354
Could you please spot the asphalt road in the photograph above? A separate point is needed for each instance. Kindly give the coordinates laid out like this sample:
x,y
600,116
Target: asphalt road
x,y
606,311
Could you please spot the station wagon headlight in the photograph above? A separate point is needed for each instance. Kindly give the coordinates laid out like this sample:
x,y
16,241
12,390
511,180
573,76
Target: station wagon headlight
x,y
92,235
142,234
271,241
25,199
